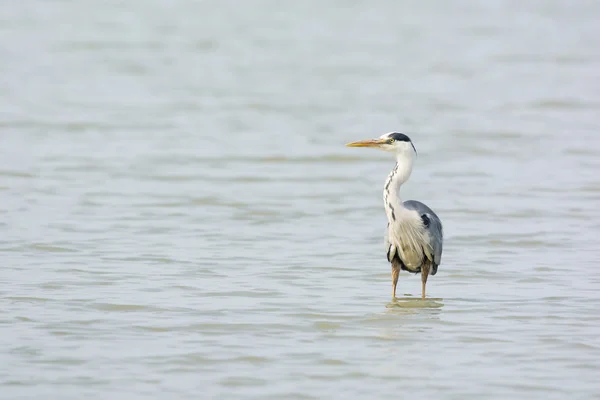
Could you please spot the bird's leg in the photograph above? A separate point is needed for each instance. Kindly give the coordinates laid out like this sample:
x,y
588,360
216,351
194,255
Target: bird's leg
x,y
424,275
395,273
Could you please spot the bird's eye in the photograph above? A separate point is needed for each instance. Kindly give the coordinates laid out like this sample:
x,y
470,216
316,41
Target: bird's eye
x,y
390,141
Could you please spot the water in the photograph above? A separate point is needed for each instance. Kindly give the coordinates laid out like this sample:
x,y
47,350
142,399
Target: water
x,y
180,217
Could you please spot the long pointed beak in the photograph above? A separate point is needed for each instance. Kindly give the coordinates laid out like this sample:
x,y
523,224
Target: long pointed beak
x,y
367,143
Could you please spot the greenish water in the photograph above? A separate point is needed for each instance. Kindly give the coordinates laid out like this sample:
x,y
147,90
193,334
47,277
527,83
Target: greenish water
x,y
179,217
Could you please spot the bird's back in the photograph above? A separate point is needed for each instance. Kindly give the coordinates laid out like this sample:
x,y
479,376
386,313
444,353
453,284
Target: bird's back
x,y
433,225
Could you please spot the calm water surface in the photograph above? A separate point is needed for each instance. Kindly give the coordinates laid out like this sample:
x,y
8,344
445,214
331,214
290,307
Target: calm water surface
x,y
180,219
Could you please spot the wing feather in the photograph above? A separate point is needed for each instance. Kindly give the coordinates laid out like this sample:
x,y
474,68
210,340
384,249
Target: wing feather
x,y
433,227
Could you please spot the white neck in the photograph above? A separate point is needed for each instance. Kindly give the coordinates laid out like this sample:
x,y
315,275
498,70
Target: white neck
x,y
391,191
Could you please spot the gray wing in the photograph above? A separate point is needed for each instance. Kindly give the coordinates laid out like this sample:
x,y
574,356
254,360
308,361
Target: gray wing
x,y
434,227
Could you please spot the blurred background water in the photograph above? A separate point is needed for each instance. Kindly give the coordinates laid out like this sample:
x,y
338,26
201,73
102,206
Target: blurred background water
x,y
179,217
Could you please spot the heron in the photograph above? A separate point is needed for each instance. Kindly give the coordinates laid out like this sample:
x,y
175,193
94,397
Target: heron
x,y
414,235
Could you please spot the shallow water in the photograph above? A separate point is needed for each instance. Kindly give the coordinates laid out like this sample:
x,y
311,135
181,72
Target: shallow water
x,y
180,217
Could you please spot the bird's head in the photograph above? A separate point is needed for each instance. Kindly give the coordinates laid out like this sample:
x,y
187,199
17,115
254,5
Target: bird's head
x,y
393,142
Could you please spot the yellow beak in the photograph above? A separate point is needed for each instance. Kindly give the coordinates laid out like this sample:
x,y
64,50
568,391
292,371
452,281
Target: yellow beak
x,y
367,143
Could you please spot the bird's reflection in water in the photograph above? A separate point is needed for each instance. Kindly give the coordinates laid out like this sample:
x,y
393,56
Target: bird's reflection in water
x,y
409,302
408,315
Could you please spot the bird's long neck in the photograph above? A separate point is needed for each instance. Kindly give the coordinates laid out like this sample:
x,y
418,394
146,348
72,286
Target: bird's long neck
x,y
391,191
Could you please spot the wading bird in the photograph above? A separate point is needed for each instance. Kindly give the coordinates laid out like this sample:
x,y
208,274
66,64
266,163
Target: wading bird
x,y
414,236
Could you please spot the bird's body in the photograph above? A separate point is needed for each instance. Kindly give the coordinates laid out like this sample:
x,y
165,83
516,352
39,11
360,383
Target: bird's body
x,y
422,242
414,234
